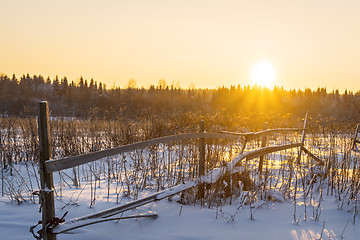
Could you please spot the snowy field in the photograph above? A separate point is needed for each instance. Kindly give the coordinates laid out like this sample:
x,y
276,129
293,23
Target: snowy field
x,y
175,221
110,182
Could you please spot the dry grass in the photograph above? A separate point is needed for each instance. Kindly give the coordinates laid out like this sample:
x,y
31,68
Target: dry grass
x,y
166,165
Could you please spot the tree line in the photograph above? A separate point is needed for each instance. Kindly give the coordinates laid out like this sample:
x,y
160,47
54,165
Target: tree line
x,y
91,99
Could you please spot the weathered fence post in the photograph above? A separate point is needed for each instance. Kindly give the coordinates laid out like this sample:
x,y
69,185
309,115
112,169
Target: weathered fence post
x,y
46,179
263,144
261,161
201,158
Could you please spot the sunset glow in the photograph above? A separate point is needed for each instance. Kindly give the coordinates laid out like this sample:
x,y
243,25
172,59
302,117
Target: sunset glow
x,y
183,41
263,74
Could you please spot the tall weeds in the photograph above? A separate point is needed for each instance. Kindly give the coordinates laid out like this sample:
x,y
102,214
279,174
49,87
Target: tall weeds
x,y
126,176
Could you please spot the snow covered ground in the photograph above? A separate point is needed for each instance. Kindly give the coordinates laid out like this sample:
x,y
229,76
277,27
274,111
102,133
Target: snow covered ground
x,y
272,220
175,221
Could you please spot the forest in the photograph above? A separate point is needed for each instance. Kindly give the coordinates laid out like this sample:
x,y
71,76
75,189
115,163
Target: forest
x,y
90,99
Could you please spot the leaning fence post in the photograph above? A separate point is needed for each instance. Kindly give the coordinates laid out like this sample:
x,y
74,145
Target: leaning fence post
x,y
46,179
201,158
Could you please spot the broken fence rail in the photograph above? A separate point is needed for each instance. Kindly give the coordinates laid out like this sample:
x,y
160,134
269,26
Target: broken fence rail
x,y
73,161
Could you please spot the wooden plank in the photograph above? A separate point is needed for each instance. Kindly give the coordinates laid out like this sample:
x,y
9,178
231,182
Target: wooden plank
x,y
271,149
119,209
69,162
46,178
311,155
87,223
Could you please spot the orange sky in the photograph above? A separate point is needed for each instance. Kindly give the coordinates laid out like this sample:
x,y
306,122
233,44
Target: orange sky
x,y
206,42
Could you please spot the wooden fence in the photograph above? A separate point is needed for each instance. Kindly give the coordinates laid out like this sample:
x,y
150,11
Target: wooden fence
x,y
52,225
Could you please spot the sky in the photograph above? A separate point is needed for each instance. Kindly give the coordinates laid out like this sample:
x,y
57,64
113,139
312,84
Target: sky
x,y
206,43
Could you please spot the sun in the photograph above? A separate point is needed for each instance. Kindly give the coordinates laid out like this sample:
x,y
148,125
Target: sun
x,y
263,74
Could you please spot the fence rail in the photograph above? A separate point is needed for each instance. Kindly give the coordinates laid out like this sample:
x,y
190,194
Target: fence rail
x,y
69,162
